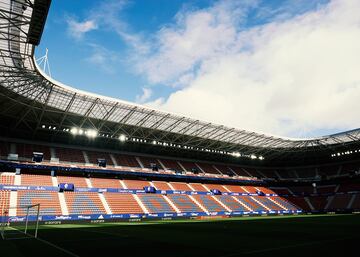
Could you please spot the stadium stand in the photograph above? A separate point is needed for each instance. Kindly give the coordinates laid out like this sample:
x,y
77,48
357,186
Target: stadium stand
x,y
84,203
136,184
77,181
160,185
6,178
156,203
180,186
122,203
184,203
69,155
28,180
126,161
48,201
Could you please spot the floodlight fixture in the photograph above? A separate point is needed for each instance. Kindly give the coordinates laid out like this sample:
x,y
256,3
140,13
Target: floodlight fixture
x,y
74,131
92,133
122,138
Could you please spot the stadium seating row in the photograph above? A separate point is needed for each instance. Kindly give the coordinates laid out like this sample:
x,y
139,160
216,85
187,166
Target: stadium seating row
x,y
89,157
85,203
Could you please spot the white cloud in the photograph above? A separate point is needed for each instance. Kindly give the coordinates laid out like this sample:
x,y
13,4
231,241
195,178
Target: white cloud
x,y
287,77
78,29
145,96
103,58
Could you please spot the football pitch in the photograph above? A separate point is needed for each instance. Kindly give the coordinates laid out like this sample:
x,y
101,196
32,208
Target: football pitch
x,y
322,235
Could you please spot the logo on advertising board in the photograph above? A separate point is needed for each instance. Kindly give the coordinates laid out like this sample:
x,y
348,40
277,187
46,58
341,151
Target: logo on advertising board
x,y
115,216
17,219
84,217
134,216
62,218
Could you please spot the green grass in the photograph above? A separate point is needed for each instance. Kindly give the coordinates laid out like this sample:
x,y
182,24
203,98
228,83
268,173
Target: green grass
x,y
323,235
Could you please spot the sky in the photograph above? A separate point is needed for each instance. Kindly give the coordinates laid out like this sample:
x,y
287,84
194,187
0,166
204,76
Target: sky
x,y
282,67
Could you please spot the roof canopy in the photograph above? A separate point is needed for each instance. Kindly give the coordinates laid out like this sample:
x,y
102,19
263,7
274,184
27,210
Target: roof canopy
x,y
46,102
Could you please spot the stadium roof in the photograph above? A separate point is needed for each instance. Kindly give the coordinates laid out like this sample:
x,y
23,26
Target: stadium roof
x,y
37,101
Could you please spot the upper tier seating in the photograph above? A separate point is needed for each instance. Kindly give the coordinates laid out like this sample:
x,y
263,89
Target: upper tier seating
x,y
216,186
69,155
281,191
93,156
122,203
77,181
198,187
105,183
36,180
306,173
224,169
188,166
161,185
326,189
48,200
208,168
4,149
266,190
349,168
136,184
146,161
180,186
235,188
299,190
171,164
252,172
328,170
269,173
26,151
126,160
239,171
349,187
288,174
84,203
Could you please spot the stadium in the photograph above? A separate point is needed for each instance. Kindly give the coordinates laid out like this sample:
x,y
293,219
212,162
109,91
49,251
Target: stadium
x,y
77,168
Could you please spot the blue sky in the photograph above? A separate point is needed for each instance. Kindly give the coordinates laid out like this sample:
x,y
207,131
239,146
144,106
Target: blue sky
x,y
162,53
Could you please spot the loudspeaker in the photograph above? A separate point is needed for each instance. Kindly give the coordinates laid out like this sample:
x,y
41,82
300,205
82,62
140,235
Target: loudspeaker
x,y
154,166
195,170
37,157
101,163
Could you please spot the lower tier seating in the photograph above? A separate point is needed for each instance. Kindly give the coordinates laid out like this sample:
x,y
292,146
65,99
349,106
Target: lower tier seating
x,y
209,203
122,203
184,203
6,179
4,202
156,203
84,203
48,200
